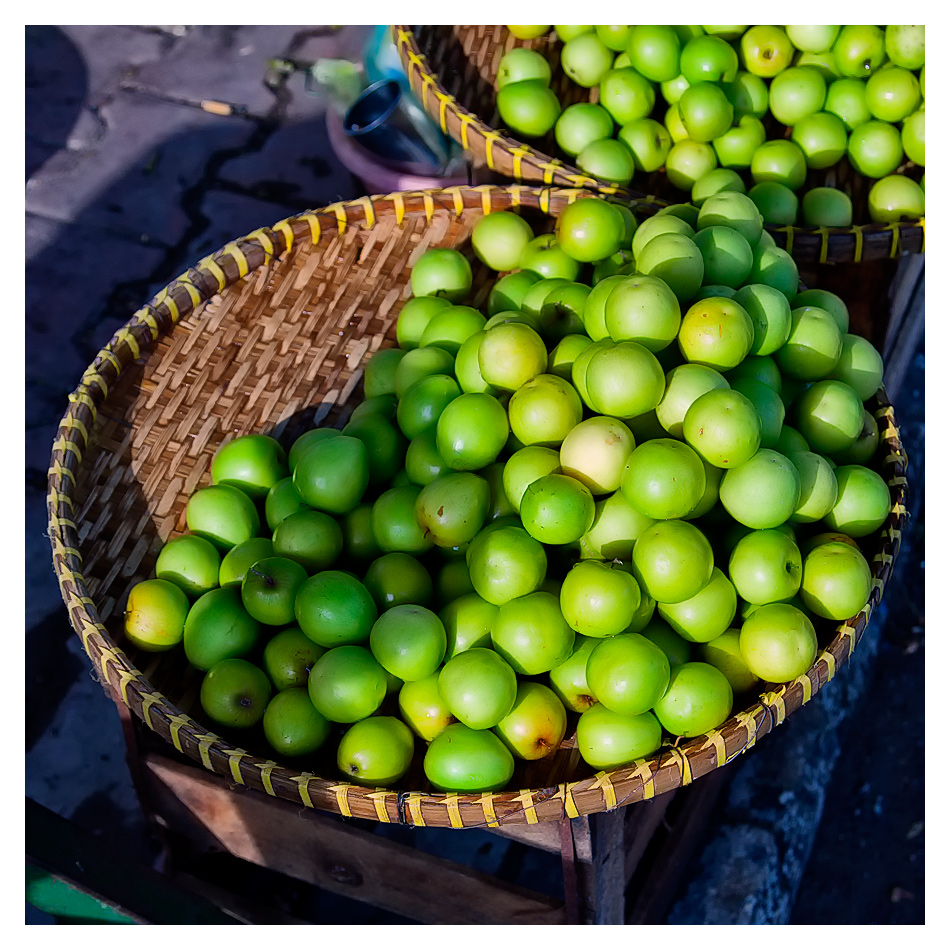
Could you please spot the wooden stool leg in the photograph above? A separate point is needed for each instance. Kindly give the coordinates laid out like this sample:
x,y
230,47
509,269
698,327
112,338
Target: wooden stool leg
x,y
603,881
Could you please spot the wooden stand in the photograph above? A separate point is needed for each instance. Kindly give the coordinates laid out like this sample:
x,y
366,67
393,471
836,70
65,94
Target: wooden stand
x,y
199,813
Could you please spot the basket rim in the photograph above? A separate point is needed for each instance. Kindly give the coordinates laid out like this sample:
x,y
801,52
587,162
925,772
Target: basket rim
x,y
670,767
808,244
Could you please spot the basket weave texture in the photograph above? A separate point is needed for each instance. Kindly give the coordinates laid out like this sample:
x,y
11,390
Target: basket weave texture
x,y
270,335
453,70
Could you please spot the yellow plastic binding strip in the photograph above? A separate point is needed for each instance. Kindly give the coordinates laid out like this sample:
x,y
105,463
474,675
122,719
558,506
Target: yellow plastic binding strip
x,y
204,745
849,631
369,212
176,722
490,139
530,815
341,800
266,770
146,318
715,737
125,677
303,788
452,806
895,230
805,680
148,701
823,253
685,771
287,230
443,122
858,233
315,229
214,268
414,804
234,762
570,806
239,258
516,155
777,700
748,720
607,787
466,121
124,335
645,774
379,802
262,238
429,205
488,809
399,206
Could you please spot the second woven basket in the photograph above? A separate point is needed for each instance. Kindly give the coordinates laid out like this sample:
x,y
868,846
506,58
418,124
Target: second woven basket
x,y
453,70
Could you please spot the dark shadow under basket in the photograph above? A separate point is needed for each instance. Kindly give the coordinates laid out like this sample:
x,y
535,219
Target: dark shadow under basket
x,y
453,70
271,334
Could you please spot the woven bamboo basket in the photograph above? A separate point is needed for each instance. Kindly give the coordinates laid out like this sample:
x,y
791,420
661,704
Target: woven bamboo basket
x,y
453,70
270,334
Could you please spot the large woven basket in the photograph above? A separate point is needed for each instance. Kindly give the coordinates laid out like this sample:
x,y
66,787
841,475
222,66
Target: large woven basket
x,y
453,71
270,334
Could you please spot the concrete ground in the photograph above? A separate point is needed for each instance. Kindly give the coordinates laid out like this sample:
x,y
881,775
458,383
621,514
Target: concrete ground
x,y
128,182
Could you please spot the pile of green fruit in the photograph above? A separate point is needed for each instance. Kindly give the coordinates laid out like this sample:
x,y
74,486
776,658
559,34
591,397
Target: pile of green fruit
x,y
614,499
767,110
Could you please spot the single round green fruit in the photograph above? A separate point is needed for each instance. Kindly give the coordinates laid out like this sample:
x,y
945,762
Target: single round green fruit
x,y
288,658
222,514
762,492
862,502
628,673
291,724
333,475
505,562
595,452
347,684
398,578
155,615
413,318
609,740
724,654
311,538
375,751
699,699
672,561
408,641
190,562
663,478
235,693
829,415
531,633
557,509
778,643
334,608
421,706
479,687
623,380
441,272
836,581
461,759
269,589
253,463
218,627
